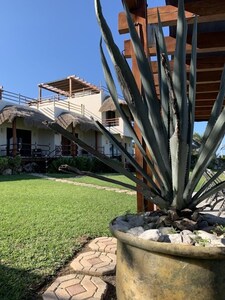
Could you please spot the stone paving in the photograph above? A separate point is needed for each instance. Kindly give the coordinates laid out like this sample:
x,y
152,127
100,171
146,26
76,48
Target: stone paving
x,y
95,263
85,283
104,244
98,187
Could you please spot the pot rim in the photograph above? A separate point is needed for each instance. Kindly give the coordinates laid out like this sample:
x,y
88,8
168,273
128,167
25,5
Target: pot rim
x,y
168,248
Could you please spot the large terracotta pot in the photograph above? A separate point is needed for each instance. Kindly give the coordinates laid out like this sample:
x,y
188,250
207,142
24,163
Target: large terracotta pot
x,y
149,270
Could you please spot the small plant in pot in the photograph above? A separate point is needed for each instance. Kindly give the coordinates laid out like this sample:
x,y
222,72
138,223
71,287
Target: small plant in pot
x,y
177,260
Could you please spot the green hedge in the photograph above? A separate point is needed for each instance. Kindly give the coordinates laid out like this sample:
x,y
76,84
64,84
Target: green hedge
x,y
13,163
82,163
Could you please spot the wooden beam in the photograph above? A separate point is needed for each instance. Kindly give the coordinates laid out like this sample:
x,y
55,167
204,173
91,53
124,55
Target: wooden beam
x,y
206,10
202,113
207,42
202,77
204,64
167,14
204,103
132,4
209,77
208,96
209,87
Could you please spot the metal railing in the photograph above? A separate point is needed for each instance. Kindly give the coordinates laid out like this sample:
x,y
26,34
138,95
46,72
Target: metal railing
x,y
58,101
16,98
111,122
25,149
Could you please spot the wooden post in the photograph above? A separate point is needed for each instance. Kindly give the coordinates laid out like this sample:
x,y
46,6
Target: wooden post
x,y
139,11
70,86
14,153
39,93
96,140
1,91
73,145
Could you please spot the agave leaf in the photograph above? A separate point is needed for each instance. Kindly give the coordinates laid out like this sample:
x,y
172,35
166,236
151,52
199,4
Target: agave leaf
x,y
179,152
143,63
144,188
113,164
217,107
133,98
120,64
112,89
177,176
179,72
192,96
209,149
164,93
127,155
67,168
163,84
212,191
147,79
215,115
208,183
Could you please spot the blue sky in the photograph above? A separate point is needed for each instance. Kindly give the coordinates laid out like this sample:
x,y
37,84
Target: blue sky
x,y
46,40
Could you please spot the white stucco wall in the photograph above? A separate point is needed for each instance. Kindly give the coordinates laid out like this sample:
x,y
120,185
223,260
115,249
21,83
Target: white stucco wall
x,y
92,103
43,138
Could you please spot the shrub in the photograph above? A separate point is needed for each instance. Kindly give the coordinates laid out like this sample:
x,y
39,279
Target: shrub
x,y
82,163
3,164
14,163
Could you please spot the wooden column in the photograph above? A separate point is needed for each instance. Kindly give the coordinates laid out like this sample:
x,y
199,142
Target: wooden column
x,y
96,140
73,145
14,153
39,93
1,91
70,86
139,11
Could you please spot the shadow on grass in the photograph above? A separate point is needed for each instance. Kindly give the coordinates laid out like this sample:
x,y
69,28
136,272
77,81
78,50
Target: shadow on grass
x,y
28,176
17,177
16,284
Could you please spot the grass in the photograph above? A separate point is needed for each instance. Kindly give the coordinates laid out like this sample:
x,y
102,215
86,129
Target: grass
x,y
91,180
42,223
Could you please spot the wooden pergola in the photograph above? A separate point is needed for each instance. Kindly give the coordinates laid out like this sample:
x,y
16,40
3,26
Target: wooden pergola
x,y
68,86
211,49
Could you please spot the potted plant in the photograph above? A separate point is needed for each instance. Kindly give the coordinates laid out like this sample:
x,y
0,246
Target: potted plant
x,y
155,269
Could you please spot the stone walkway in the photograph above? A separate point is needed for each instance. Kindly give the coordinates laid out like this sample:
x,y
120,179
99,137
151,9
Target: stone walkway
x,y
99,187
85,282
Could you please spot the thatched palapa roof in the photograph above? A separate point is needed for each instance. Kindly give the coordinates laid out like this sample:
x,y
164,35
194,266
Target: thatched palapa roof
x,y
108,104
31,116
65,119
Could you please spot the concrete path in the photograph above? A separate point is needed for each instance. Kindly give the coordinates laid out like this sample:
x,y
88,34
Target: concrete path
x,y
99,187
85,283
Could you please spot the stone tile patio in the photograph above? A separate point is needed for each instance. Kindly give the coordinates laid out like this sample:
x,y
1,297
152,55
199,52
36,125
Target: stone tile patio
x,y
85,283
95,263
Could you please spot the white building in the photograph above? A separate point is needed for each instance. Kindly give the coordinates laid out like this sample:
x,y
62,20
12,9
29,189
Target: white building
x,y
73,103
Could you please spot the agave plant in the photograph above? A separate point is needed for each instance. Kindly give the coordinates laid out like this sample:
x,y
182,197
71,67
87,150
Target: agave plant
x,y
166,125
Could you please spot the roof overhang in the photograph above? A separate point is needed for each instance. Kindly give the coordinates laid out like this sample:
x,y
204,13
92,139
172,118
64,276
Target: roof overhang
x,y
69,86
31,116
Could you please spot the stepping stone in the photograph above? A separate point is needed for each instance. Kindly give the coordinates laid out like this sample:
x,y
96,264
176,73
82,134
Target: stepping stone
x,y
76,287
104,244
95,263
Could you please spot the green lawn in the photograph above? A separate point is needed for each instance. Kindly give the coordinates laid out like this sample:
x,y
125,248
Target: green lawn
x,y
42,223
91,180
